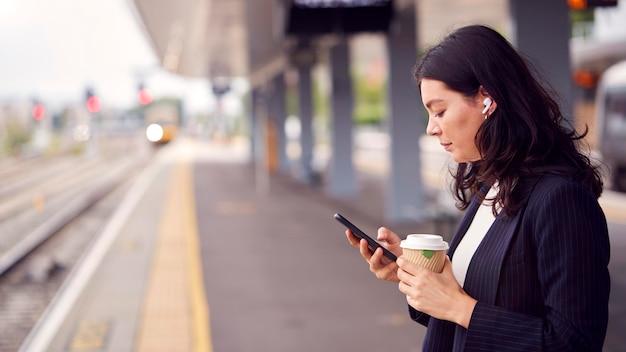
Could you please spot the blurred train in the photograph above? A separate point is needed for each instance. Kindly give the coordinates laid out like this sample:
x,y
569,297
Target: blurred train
x,y
162,120
611,122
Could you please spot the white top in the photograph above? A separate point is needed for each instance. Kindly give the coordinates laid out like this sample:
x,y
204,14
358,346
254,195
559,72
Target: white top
x,y
475,233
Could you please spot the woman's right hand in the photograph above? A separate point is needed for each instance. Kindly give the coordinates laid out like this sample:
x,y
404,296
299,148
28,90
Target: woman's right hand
x,y
380,265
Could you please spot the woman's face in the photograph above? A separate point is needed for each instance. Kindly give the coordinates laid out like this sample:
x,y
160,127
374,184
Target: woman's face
x,y
453,118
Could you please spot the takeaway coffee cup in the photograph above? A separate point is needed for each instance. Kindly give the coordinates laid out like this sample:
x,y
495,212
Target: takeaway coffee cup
x,y
428,251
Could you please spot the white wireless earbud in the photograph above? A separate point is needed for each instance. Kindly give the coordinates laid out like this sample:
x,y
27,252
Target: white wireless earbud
x,y
487,103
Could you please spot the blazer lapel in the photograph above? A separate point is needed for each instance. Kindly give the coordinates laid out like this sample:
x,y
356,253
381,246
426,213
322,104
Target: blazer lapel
x,y
466,221
483,273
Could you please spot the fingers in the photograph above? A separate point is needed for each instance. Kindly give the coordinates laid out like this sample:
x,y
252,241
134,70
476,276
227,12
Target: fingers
x,y
382,267
448,272
377,261
354,241
384,234
350,236
411,281
404,288
407,266
365,250
359,243
408,271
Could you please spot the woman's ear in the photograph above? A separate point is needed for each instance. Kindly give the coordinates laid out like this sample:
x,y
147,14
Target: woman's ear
x,y
489,104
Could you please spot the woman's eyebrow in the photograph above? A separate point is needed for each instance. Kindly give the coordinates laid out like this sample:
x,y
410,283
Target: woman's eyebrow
x,y
433,101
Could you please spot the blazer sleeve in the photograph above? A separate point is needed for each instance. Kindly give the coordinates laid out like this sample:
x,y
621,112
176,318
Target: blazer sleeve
x,y
419,317
570,234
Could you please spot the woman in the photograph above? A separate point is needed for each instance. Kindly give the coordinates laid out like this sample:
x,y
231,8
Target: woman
x,y
527,268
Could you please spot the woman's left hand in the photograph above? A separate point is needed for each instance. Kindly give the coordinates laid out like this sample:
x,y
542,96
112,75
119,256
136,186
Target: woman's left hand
x,y
436,294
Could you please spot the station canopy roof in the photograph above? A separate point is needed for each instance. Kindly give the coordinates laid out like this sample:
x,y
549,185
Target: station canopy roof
x,y
249,38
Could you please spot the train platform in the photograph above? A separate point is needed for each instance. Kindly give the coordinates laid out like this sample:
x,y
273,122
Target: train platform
x,y
207,253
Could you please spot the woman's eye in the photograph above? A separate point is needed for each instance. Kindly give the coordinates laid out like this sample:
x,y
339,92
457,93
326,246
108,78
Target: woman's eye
x,y
439,114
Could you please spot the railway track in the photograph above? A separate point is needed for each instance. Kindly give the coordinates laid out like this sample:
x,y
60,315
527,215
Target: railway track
x,y
51,210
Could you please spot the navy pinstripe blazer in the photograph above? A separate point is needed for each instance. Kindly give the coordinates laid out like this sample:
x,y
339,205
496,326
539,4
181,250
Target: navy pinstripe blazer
x,y
540,277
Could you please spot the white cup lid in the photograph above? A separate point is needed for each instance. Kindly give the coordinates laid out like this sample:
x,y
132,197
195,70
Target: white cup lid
x,y
423,241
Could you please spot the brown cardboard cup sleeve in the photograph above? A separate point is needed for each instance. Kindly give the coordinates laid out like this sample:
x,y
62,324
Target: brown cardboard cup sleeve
x,y
425,250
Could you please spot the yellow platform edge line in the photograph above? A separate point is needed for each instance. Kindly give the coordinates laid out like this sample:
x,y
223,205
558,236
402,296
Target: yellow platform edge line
x,y
165,323
175,314
199,307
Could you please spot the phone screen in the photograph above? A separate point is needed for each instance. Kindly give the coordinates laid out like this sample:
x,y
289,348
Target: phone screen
x,y
360,234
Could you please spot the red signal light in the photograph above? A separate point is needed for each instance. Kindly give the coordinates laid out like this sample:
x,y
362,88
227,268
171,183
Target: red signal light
x,y
585,79
39,111
577,4
588,4
93,104
145,96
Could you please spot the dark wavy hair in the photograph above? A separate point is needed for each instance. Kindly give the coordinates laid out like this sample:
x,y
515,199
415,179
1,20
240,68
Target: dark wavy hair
x,y
526,135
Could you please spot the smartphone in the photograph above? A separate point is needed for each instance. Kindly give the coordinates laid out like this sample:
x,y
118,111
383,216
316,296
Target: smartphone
x,y
360,234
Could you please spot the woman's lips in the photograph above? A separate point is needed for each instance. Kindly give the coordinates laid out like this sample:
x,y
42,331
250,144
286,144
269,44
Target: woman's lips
x,y
446,146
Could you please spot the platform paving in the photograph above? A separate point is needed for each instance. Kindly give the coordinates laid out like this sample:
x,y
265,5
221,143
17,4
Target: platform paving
x,y
278,272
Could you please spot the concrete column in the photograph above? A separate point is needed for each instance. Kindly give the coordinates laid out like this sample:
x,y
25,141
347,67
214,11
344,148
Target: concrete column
x,y
253,122
278,113
305,104
259,142
405,191
541,30
341,173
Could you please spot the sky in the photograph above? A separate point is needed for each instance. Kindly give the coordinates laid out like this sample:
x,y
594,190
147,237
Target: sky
x,y
53,50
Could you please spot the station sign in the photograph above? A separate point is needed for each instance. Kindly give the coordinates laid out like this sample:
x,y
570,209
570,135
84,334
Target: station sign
x,y
319,17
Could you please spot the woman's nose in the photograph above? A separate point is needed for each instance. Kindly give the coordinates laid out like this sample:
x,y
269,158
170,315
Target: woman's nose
x,y
432,129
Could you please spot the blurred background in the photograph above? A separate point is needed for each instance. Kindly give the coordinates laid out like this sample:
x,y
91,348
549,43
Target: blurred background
x,y
312,99
203,58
